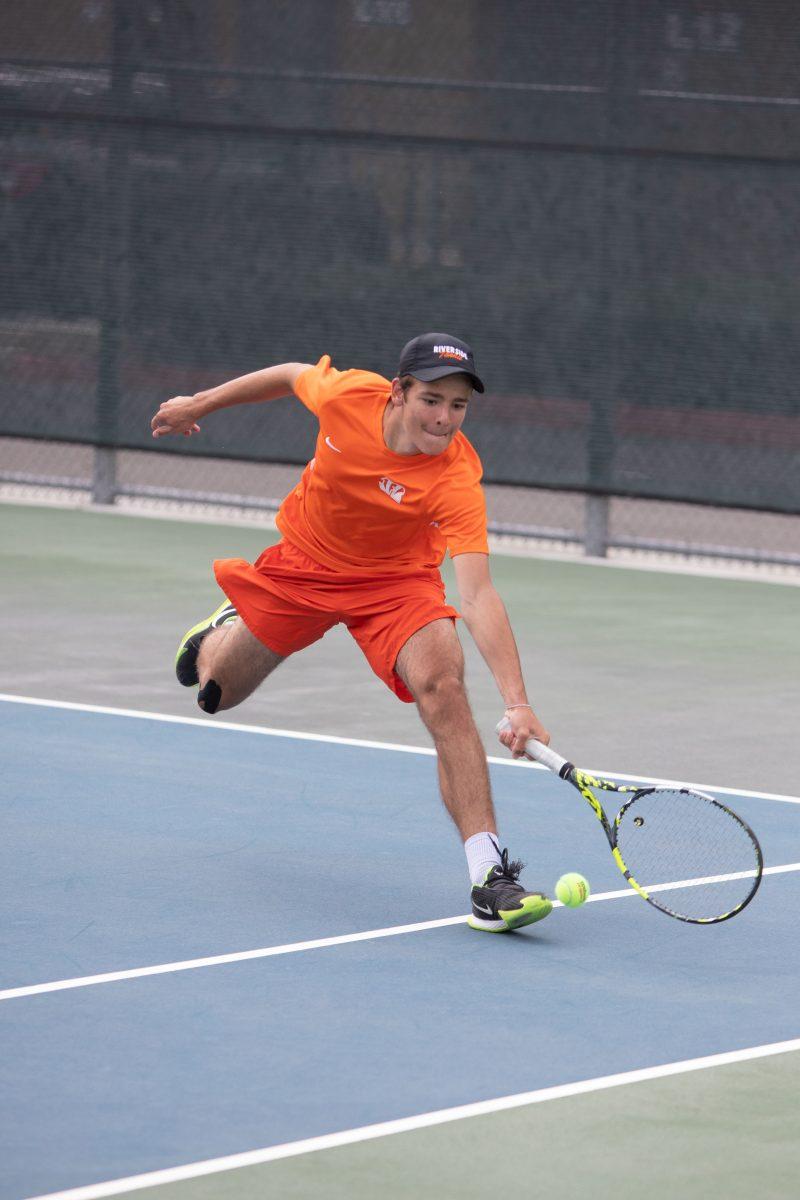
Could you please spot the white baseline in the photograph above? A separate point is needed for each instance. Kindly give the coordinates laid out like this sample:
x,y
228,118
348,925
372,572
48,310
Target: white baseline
x,y
348,1137
266,731
219,960
319,943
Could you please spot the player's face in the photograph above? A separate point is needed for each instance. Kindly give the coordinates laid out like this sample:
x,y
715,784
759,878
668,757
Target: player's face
x,y
434,412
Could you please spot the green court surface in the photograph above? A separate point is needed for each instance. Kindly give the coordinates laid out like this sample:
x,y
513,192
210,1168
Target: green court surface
x,y
633,671
729,1132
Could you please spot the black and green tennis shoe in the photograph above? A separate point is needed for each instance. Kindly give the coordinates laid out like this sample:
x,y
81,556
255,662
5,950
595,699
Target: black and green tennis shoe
x,y
501,903
186,658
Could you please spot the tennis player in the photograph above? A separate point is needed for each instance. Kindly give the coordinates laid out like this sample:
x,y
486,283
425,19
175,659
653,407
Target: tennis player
x,y
393,484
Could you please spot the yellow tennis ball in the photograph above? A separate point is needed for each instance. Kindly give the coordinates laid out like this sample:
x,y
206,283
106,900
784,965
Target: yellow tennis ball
x,y
572,889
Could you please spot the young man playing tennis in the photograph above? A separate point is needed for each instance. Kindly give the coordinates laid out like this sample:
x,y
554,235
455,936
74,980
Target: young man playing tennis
x,y
392,486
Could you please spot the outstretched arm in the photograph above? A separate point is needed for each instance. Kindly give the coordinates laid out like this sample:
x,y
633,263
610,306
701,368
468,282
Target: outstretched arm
x,y
182,413
486,618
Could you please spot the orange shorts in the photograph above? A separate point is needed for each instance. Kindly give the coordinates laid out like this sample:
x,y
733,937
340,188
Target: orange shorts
x,y
287,600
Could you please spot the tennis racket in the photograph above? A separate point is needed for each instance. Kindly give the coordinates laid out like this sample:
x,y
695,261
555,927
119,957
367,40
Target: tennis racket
x,y
684,852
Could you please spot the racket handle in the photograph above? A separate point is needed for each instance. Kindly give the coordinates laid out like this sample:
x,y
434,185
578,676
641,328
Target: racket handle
x,y
538,751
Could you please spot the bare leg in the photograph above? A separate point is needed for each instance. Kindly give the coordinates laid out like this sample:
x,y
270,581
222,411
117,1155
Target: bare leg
x,y
236,661
432,665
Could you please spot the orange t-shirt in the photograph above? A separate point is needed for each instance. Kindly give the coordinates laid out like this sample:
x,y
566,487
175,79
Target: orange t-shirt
x,y
359,507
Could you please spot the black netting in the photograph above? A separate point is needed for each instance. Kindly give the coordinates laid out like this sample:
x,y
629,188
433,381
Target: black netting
x,y
604,198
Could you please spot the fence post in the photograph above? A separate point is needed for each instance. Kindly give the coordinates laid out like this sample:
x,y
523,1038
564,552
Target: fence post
x,y
595,538
614,252
114,277
104,475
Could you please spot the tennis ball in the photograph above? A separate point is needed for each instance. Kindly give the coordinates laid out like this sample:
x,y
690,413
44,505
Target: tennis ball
x,y
572,889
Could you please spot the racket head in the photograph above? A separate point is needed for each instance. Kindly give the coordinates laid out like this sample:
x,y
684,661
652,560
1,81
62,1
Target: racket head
x,y
687,854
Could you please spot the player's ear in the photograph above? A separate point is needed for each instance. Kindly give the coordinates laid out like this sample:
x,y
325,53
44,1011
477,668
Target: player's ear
x,y
397,393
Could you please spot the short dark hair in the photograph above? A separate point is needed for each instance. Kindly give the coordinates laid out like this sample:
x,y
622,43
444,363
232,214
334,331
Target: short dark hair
x,y
407,380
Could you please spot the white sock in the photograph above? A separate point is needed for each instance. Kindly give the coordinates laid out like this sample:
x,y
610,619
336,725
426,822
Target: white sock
x,y
482,854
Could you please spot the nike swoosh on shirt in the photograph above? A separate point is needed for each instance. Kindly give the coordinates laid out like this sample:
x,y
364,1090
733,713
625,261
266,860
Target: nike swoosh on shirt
x,y
328,442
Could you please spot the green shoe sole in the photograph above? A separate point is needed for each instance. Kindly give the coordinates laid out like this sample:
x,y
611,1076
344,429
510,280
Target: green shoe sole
x,y
534,908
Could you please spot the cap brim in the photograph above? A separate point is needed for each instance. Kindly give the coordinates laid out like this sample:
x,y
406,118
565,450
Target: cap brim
x,y
428,374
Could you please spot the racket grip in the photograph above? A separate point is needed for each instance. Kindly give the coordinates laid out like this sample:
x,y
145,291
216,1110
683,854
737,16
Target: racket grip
x,y
538,751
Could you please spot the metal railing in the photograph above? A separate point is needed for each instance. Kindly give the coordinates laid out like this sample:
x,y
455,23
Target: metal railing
x,y
596,537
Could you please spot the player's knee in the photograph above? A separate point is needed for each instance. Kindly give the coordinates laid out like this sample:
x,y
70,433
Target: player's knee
x,y
210,696
441,693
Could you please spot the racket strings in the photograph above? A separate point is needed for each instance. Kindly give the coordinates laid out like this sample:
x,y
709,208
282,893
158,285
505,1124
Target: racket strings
x,y
694,856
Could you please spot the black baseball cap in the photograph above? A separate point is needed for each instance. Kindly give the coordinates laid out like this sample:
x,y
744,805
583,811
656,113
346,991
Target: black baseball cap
x,y
434,355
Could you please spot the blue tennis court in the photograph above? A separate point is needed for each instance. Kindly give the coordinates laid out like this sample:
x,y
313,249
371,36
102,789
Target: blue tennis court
x,y
134,842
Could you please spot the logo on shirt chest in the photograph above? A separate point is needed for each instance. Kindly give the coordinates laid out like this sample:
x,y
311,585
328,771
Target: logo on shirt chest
x,y
395,490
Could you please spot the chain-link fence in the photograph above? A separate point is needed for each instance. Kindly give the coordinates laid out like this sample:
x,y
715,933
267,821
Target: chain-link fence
x,y
603,197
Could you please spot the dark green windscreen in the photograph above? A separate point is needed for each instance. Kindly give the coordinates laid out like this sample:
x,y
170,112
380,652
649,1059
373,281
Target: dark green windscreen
x,y
603,198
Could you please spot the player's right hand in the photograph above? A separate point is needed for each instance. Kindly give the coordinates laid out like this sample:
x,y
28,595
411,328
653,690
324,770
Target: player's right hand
x,y
523,723
175,416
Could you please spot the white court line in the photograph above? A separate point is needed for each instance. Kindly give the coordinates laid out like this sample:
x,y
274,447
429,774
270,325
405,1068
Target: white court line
x,y
348,1137
781,101
205,723
191,964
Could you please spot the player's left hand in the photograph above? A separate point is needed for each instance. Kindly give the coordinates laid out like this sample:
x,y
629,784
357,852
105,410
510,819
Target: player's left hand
x,y
524,724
